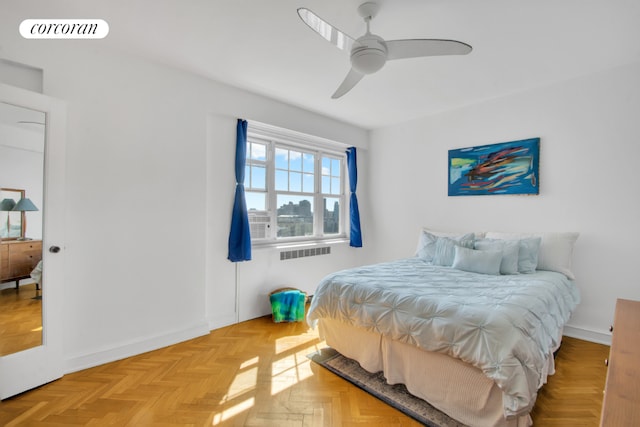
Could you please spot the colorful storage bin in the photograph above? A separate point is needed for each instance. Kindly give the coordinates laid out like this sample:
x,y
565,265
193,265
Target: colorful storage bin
x,y
287,305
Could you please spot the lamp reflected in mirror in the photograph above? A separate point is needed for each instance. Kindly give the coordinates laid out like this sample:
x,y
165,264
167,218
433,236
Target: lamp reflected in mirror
x,y
11,220
7,205
24,205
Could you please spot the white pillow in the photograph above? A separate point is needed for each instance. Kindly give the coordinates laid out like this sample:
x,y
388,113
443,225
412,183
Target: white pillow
x,y
484,262
556,249
509,248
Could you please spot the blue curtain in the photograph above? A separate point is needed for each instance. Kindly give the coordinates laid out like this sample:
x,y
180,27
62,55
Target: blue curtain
x,y
354,212
240,235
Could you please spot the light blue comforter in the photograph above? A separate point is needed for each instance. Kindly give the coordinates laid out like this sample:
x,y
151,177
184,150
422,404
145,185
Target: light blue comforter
x,y
507,326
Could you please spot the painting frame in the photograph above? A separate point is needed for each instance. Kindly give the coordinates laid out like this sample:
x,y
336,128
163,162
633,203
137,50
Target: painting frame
x,y
511,167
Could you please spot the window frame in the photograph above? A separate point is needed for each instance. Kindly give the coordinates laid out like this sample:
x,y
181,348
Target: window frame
x,y
274,137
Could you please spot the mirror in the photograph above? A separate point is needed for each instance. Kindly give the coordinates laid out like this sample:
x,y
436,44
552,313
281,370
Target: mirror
x,y
22,143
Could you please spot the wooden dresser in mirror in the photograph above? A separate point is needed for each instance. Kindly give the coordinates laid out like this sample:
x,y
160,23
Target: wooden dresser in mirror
x,y
18,258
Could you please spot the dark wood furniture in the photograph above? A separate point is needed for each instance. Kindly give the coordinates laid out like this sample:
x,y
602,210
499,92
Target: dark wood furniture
x,y
18,258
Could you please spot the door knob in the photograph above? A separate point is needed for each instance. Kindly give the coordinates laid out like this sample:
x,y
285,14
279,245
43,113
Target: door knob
x,y
54,249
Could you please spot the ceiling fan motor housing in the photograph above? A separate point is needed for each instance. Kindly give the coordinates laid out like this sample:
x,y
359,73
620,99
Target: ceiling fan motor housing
x,y
369,54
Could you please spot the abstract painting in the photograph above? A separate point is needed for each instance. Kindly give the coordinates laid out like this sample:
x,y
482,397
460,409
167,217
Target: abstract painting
x,y
503,168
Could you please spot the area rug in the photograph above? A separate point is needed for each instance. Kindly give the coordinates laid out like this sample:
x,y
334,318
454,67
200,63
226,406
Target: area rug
x,y
376,385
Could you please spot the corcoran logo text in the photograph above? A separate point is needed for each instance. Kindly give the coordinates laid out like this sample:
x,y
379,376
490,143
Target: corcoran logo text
x,y
64,28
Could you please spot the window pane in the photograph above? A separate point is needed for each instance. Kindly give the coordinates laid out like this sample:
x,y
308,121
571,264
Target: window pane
x,y
331,169
335,185
308,163
258,151
258,177
335,167
331,221
326,185
282,180
295,216
295,181
282,158
326,166
295,160
255,201
307,183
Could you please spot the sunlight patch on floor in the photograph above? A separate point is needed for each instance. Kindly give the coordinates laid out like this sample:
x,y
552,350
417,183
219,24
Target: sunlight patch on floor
x,y
250,362
289,370
233,411
283,345
289,367
244,382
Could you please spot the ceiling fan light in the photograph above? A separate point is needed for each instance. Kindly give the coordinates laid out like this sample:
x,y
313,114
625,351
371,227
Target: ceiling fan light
x,y
368,61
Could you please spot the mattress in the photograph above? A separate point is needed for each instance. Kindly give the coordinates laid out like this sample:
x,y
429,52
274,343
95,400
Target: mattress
x,y
505,326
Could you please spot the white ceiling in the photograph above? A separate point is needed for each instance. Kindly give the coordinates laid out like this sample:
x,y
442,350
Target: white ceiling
x,y
263,46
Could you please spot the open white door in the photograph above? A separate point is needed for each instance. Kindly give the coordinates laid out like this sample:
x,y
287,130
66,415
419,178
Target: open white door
x,y
26,369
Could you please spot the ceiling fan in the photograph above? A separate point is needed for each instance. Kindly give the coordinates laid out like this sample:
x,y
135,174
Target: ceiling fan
x,y
370,52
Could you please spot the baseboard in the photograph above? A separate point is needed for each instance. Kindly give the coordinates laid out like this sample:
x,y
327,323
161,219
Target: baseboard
x,y
222,321
12,284
78,363
587,335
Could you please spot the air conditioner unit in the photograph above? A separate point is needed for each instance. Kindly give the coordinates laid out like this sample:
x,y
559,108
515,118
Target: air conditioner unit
x,y
260,225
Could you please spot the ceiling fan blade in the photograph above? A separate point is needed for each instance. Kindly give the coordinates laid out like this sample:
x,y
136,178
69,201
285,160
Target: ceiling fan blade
x,y
413,48
327,31
349,82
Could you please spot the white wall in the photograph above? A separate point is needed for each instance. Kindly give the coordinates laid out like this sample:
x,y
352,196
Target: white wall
x,y
150,184
589,150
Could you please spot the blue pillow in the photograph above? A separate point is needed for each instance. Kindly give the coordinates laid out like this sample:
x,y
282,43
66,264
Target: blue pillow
x,y
483,262
427,242
528,254
509,248
444,252
426,246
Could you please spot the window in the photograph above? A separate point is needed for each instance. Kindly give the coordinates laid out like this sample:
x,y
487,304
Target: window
x,y
294,187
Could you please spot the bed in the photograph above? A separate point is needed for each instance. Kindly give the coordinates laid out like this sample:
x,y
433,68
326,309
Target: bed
x,y
469,324
36,275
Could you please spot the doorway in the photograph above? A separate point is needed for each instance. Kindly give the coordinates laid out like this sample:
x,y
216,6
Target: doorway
x,y
32,169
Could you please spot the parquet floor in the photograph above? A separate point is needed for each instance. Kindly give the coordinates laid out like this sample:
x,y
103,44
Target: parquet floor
x,y
20,319
572,396
256,373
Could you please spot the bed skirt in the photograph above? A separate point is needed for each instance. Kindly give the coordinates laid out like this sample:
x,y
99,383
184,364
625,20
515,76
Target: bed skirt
x,y
456,388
